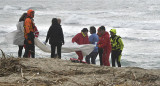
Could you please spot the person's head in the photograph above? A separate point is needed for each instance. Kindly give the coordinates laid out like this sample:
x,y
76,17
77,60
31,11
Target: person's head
x,y
113,32
23,17
85,31
30,13
59,20
54,21
92,30
101,30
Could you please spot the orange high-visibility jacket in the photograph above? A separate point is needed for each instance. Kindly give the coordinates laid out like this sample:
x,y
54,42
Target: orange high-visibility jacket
x,y
29,26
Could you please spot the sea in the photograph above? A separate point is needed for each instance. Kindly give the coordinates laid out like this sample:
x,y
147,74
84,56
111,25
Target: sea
x,y
136,21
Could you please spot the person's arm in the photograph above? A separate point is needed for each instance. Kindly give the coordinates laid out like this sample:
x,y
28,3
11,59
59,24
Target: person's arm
x,y
91,39
121,43
75,38
20,26
36,33
87,41
28,25
62,35
48,35
105,42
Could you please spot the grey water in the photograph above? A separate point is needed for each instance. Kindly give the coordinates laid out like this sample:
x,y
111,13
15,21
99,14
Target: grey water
x,y
136,21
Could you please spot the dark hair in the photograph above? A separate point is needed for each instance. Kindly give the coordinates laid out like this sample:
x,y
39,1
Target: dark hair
x,y
102,28
93,29
84,30
23,17
54,21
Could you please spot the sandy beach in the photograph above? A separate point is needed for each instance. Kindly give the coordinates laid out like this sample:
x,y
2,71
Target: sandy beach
x,y
57,72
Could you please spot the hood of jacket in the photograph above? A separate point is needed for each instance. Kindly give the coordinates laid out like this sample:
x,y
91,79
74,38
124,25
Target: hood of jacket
x,y
29,13
113,31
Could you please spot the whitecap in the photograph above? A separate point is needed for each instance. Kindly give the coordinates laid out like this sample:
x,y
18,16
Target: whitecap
x,y
8,8
36,7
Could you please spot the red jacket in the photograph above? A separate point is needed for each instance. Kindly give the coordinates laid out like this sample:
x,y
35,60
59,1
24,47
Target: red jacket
x,y
36,33
80,39
104,42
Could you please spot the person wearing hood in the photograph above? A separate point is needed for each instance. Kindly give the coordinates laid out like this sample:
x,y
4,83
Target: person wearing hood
x,y
105,44
117,47
36,34
81,38
19,37
29,34
55,37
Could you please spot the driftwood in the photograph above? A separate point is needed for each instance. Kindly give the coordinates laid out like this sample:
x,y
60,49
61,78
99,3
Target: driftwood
x,y
56,72
3,54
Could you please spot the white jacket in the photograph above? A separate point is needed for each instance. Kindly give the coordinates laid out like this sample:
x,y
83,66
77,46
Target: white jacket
x,y
19,36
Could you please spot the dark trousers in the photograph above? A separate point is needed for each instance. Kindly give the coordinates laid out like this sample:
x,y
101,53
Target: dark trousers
x,y
29,48
20,51
100,52
115,55
93,56
53,48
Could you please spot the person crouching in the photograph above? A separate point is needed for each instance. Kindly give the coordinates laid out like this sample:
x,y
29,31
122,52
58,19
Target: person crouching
x,y
81,38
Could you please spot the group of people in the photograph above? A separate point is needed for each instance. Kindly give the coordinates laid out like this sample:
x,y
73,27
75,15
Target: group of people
x,y
27,31
105,44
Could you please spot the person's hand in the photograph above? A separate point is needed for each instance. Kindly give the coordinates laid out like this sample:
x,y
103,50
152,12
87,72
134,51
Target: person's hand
x,y
44,42
63,43
119,52
96,47
95,43
99,46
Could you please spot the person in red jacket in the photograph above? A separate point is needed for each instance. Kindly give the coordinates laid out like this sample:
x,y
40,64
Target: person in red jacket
x,y
81,38
100,51
105,44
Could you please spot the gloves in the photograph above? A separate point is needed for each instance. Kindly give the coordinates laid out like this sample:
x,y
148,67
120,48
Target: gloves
x,y
44,42
63,42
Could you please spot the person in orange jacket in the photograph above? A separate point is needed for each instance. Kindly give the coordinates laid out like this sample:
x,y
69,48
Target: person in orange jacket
x,y
105,44
81,38
29,30
36,34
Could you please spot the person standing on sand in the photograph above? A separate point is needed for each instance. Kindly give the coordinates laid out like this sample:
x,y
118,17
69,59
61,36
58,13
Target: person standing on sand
x,y
93,39
55,37
36,34
100,51
29,34
19,37
81,38
117,47
105,44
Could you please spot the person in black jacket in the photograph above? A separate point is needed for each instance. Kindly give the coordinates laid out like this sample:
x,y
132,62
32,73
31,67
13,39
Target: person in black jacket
x,y
56,38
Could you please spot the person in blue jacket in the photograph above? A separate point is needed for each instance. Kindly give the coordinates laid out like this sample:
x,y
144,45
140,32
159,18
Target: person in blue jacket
x,y
93,39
